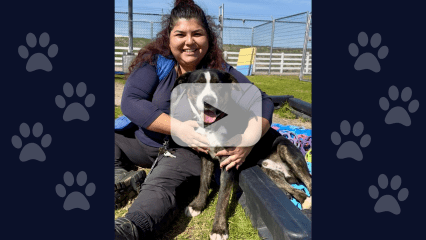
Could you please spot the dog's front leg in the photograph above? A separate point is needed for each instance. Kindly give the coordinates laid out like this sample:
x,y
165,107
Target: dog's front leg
x,y
199,203
220,228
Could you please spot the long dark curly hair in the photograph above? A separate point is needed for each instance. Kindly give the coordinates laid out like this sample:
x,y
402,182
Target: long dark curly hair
x,y
186,9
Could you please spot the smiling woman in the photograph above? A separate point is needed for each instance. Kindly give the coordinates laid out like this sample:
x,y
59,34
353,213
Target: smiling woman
x,y
188,25
186,43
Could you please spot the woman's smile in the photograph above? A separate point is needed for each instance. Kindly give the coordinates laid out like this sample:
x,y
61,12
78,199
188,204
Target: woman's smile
x,y
188,43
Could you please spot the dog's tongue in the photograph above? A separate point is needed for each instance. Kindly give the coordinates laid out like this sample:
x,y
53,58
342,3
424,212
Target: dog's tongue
x,y
209,116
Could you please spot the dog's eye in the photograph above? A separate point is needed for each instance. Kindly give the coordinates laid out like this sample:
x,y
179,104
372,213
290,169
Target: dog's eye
x,y
219,86
198,87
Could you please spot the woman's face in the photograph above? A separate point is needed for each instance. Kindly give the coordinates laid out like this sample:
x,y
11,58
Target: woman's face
x,y
188,43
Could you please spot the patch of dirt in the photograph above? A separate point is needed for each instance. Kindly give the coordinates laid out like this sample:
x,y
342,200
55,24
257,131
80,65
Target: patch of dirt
x,y
118,93
295,122
276,119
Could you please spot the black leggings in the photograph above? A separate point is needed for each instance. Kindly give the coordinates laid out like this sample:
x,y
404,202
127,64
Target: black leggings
x,y
171,181
129,152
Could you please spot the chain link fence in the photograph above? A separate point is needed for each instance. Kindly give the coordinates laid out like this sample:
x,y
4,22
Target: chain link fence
x,y
283,45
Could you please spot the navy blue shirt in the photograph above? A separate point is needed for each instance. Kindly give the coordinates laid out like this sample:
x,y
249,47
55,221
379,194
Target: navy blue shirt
x,y
145,98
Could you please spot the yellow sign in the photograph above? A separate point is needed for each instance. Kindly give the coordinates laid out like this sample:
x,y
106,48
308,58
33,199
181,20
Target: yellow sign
x,y
246,56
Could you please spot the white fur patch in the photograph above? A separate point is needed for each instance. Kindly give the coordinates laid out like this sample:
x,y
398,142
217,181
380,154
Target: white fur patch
x,y
215,138
280,167
207,91
216,236
191,212
208,77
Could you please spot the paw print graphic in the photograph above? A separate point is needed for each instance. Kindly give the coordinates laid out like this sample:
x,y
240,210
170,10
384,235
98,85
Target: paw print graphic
x,y
75,110
388,203
31,151
350,149
38,61
76,199
368,60
399,114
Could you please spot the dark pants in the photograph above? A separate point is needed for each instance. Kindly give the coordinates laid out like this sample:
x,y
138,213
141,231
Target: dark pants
x,y
172,179
168,184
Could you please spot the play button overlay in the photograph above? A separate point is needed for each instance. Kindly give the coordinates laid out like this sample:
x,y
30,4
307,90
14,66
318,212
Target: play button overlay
x,y
212,114
228,114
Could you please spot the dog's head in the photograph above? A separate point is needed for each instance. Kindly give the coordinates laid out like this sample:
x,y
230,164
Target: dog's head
x,y
205,92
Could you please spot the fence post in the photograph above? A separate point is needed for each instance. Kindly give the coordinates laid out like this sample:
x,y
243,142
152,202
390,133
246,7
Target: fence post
x,y
130,17
221,18
307,62
282,62
129,56
225,55
305,45
254,64
152,30
252,35
272,45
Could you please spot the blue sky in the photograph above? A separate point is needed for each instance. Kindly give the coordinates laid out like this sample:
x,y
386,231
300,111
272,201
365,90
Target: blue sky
x,y
236,32
256,9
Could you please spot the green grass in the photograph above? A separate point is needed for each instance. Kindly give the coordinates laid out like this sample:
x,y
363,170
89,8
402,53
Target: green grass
x,y
118,112
120,79
284,85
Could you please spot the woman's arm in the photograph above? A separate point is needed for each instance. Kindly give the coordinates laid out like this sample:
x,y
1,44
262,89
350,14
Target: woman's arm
x,y
137,106
137,94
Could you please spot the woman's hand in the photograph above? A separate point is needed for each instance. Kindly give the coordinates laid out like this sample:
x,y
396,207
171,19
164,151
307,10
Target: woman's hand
x,y
185,131
237,156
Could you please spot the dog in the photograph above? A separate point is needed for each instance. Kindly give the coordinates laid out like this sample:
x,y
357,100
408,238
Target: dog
x,y
284,163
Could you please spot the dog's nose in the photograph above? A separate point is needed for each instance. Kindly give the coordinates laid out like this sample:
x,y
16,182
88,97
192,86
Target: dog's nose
x,y
209,100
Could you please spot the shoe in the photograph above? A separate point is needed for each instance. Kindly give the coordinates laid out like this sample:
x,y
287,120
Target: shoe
x,y
125,230
127,185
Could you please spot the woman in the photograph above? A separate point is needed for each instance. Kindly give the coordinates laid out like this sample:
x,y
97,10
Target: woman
x,y
187,38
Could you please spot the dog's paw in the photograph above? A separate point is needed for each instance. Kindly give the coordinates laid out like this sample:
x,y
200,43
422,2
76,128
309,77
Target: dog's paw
x,y
191,212
307,204
219,230
217,236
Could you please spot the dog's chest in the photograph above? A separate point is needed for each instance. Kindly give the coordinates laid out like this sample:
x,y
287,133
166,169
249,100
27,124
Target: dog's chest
x,y
216,138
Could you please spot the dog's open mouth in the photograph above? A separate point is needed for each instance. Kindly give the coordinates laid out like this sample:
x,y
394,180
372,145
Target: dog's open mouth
x,y
212,114
209,116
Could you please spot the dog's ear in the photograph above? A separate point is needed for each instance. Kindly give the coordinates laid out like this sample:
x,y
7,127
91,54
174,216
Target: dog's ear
x,y
182,79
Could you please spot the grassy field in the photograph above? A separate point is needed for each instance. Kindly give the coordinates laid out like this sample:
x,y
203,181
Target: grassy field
x,y
284,85
239,225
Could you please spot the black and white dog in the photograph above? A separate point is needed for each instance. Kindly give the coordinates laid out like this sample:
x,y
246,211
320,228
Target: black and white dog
x,y
284,163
